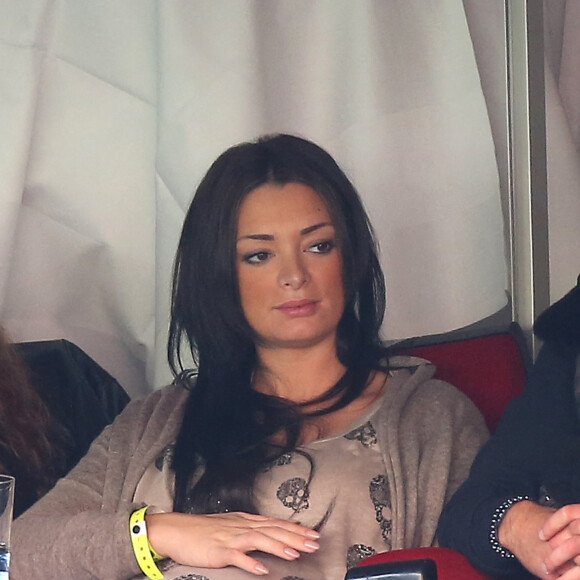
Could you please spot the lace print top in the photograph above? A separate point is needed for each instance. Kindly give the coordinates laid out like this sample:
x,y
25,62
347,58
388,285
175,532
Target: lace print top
x,y
348,498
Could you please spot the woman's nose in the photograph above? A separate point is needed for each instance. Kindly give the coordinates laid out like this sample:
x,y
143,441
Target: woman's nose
x,y
293,273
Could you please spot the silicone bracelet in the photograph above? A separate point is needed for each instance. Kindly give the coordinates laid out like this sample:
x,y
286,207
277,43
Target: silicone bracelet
x,y
141,546
154,554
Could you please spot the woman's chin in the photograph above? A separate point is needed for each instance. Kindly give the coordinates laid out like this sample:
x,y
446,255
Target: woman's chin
x,y
298,341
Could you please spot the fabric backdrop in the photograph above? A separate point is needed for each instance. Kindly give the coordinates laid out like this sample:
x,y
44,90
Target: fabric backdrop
x,y
112,110
562,47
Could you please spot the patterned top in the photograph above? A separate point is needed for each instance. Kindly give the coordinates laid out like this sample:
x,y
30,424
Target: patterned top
x,y
346,496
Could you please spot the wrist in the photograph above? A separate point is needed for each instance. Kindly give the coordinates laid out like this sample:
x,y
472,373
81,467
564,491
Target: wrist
x,y
519,532
504,531
144,554
154,522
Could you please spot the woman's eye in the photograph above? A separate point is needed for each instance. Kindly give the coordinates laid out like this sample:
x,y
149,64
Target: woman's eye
x,y
256,257
324,247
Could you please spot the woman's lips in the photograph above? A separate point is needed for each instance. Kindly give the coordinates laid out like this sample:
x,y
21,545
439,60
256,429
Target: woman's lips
x,y
298,308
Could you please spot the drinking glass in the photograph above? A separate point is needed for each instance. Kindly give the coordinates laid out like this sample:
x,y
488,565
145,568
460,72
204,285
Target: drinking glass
x,y
6,505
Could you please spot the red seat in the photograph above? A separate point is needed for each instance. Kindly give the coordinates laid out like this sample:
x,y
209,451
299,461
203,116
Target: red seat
x,y
490,368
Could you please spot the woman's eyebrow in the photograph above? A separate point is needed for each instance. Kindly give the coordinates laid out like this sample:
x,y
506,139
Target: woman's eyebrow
x,y
270,237
315,227
267,237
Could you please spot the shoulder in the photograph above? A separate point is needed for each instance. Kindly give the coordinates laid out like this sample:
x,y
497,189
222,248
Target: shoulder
x,y
414,380
422,398
168,396
162,407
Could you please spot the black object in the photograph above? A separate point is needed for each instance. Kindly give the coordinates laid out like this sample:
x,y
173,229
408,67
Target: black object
x,y
424,569
560,323
80,395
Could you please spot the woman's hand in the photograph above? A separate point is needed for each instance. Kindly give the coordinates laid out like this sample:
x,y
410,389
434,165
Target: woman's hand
x,y
562,532
220,540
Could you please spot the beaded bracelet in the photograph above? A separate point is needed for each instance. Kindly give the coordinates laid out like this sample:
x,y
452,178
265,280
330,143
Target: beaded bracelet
x,y
496,520
141,546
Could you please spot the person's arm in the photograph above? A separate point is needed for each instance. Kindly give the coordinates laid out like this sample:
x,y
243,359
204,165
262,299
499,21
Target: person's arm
x,y
67,534
440,433
519,533
81,528
466,523
532,438
220,540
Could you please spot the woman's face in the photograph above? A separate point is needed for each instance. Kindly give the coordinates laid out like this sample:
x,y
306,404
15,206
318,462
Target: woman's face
x,y
289,266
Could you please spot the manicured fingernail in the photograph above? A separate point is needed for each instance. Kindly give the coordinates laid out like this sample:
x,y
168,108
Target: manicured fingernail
x,y
292,553
261,569
541,534
311,545
544,568
313,534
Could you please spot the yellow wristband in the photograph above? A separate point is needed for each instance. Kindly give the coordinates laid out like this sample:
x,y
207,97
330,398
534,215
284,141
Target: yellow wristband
x,y
155,555
141,546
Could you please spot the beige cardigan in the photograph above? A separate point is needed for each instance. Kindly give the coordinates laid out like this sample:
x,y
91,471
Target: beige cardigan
x,y
429,433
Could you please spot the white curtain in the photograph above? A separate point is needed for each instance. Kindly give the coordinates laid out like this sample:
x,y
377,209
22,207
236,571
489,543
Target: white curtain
x,y
562,47
112,110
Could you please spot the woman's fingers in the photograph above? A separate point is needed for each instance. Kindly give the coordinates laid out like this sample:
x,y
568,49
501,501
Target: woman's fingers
x,y
244,562
284,532
219,540
276,541
271,539
243,515
264,521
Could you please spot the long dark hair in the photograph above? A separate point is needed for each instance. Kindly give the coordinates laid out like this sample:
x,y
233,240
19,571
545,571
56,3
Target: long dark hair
x,y
227,426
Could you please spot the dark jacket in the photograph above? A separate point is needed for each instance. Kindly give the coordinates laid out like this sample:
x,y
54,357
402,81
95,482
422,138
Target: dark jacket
x,y
82,399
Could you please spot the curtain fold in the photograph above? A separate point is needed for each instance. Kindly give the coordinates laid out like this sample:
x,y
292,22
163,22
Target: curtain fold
x,y
562,47
112,111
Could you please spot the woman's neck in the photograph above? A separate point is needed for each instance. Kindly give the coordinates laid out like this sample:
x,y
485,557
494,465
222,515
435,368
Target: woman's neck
x,y
298,375
305,374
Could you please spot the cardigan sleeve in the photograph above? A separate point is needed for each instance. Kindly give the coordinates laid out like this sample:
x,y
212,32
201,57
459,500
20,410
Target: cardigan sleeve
x,y
430,433
80,529
448,431
532,447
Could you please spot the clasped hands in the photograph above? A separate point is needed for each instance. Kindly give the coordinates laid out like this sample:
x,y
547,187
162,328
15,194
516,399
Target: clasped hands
x,y
545,540
220,540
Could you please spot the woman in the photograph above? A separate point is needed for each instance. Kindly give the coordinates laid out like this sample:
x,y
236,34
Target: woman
x,y
518,514
295,412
